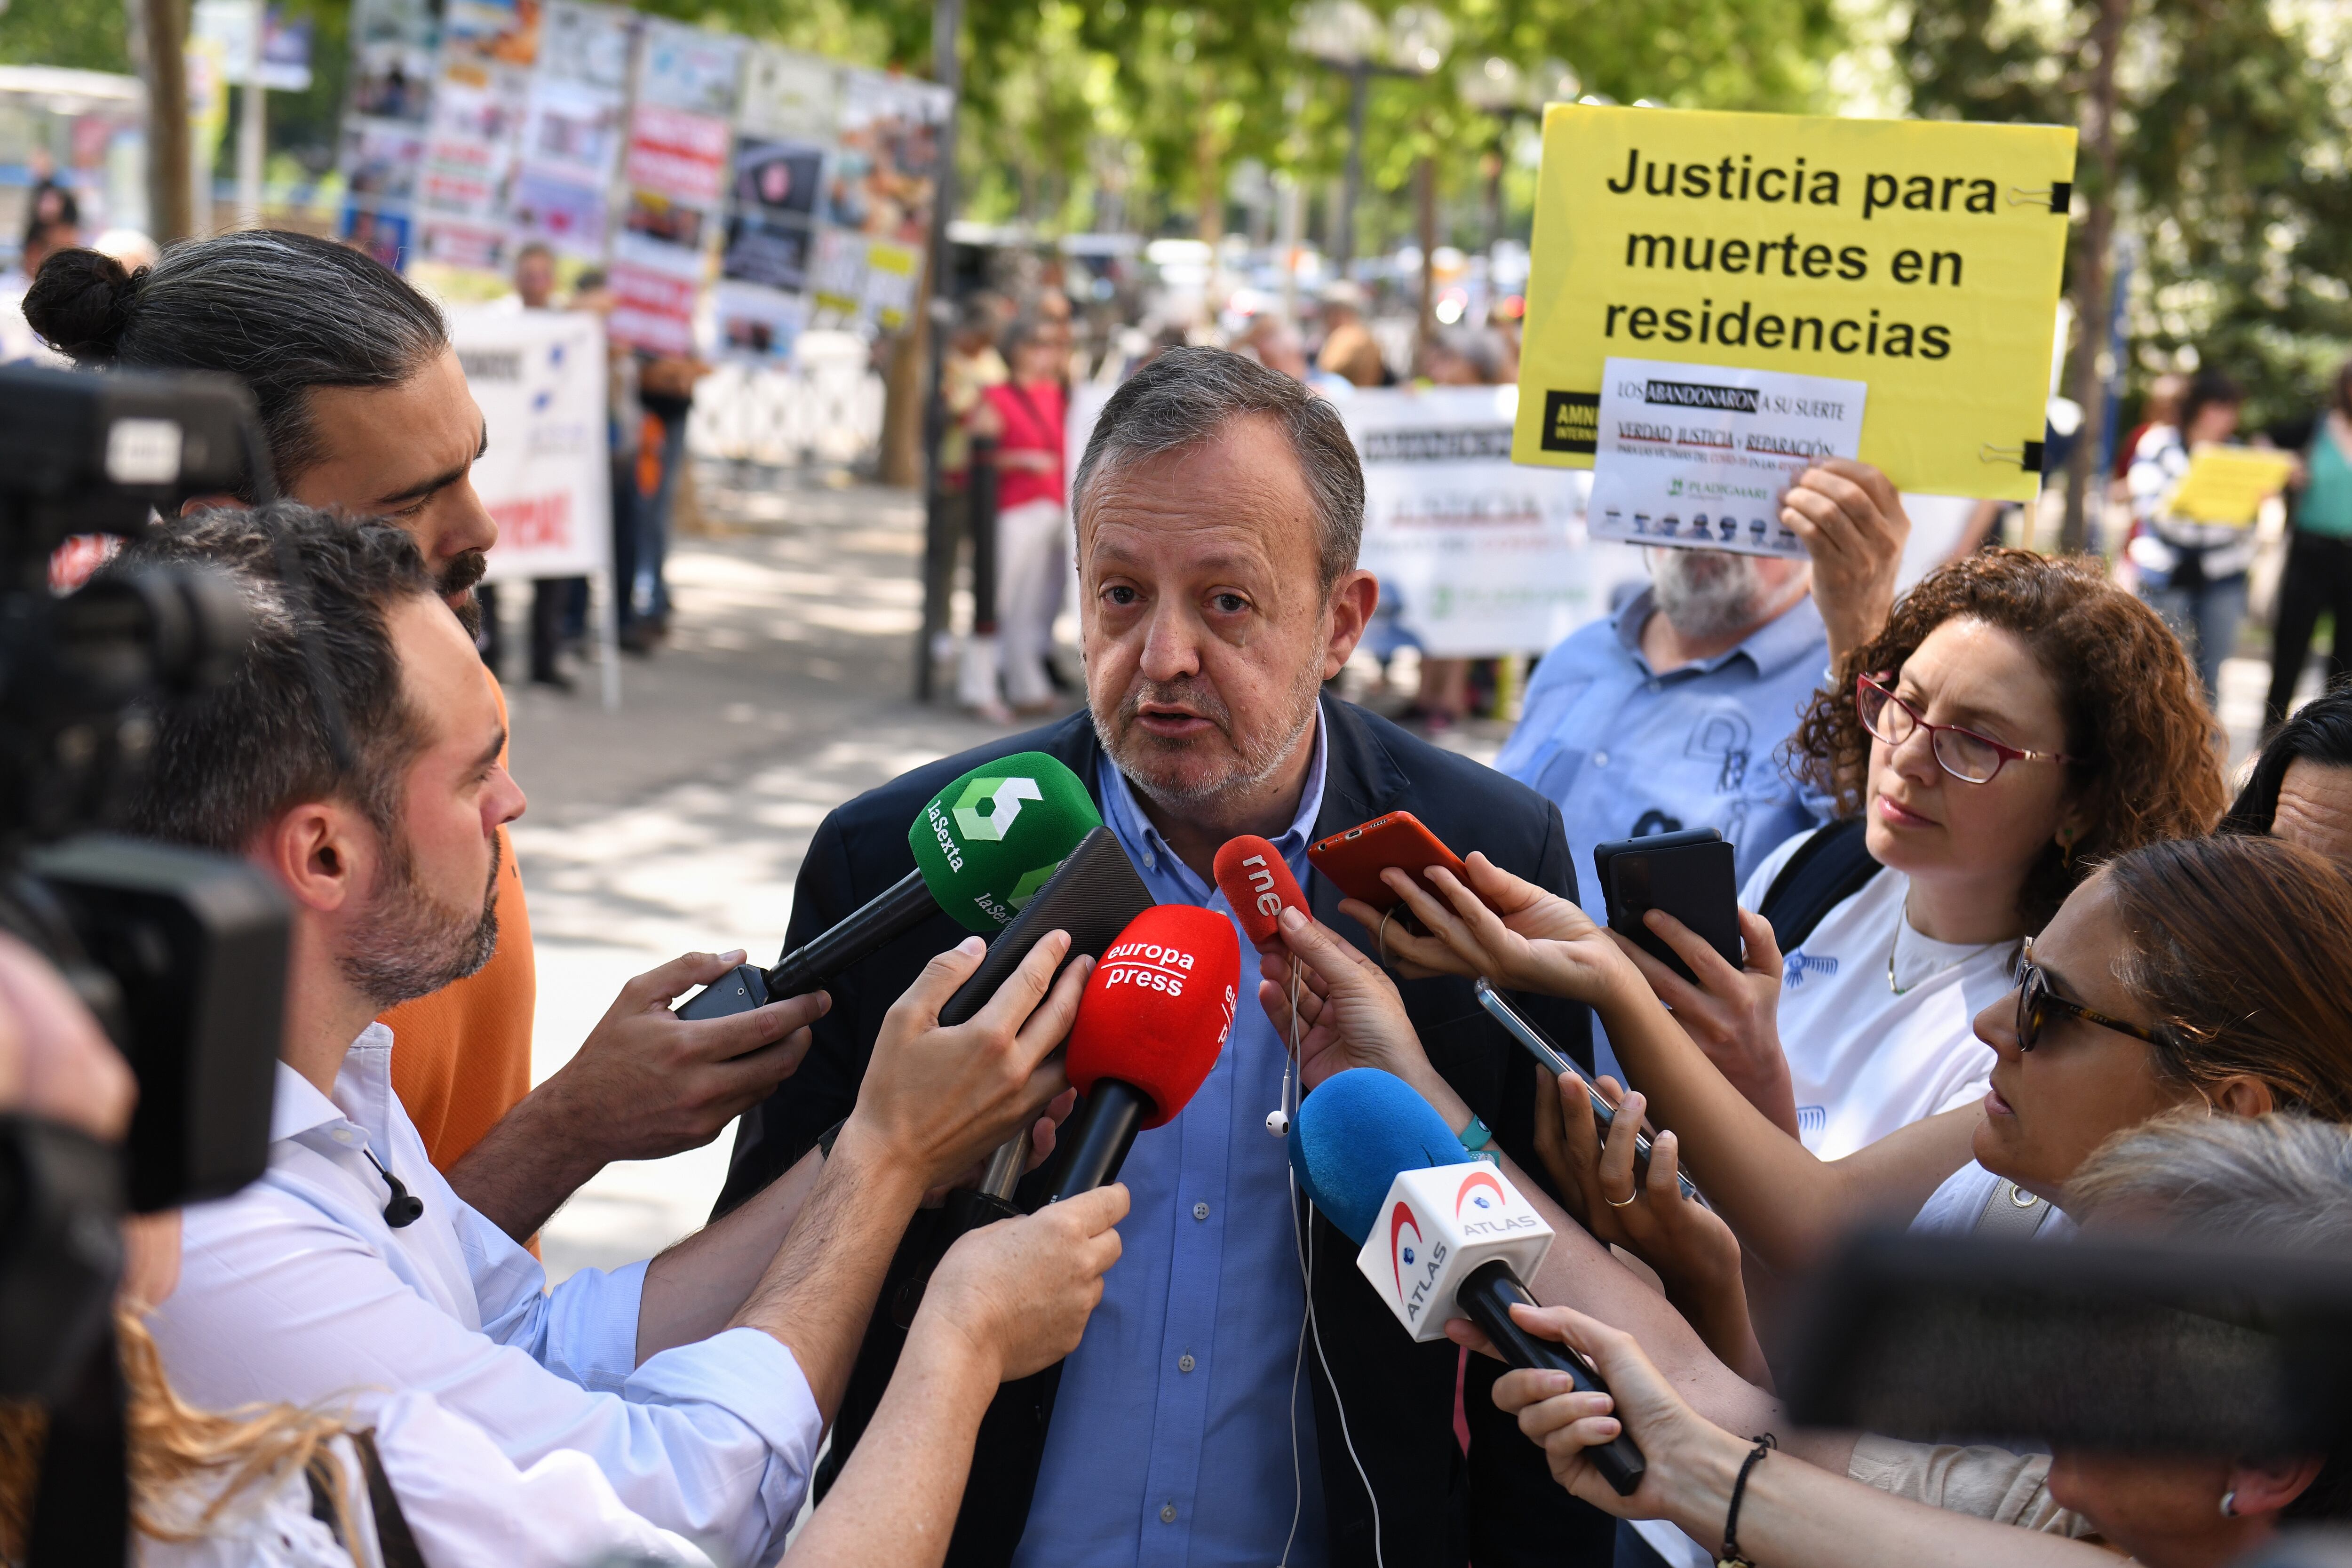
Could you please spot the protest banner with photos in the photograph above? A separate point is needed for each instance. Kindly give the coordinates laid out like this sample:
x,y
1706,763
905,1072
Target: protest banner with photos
x,y
673,171
1921,258
392,45
481,88
572,126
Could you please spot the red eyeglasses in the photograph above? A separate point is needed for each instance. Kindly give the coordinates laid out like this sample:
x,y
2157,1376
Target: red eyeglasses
x,y
1966,755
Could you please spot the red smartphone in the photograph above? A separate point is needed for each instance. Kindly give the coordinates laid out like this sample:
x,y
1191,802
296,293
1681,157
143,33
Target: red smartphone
x,y
1353,860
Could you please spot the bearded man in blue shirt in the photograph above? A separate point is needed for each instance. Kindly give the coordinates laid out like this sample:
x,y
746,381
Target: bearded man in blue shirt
x,y
1671,714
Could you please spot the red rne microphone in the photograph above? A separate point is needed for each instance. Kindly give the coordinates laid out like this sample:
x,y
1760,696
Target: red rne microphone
x,y
1257,883
1156,1011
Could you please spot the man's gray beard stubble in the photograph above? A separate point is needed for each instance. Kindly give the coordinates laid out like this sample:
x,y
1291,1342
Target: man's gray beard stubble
x,y
1706,592
412,946
1254,767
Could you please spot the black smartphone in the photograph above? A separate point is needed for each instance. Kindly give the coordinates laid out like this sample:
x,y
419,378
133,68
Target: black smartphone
x,y
1689,875
1555,1061
1093,896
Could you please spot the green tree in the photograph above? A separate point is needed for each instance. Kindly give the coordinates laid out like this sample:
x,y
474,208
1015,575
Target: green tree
x,y
2230,124
85,33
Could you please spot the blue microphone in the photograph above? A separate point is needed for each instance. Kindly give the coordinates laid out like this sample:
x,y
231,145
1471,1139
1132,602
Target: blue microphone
x,y
1365,1145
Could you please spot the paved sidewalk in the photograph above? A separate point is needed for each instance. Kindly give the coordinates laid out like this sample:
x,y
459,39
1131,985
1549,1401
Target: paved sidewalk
x,y
678,823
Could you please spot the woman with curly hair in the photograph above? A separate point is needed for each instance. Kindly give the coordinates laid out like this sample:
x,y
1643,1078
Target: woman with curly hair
x,y
2019,720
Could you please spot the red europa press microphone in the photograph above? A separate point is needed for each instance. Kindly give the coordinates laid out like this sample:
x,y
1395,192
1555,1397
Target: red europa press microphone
x,y
1156,1011
1257,883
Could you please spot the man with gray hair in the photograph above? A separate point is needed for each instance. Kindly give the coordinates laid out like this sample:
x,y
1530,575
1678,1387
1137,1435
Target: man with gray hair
x,y
1219,506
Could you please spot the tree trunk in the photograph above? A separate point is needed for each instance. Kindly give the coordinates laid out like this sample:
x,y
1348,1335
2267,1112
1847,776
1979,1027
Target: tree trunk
x,y
903,391
1424,182
169,208
2085,484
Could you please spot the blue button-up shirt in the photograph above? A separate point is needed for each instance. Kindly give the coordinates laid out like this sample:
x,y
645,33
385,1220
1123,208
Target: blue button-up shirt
x,y
1625,751
1171,1438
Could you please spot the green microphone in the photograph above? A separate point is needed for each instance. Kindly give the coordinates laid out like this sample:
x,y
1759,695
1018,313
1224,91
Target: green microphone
x,y
983,845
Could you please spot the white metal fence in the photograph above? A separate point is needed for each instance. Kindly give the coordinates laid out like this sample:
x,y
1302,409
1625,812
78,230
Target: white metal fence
x,y
825,406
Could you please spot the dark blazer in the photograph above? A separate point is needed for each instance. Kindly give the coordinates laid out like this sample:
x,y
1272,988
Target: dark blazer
x,y
1498,1507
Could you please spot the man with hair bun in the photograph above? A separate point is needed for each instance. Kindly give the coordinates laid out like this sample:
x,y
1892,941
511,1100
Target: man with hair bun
x,y
366,411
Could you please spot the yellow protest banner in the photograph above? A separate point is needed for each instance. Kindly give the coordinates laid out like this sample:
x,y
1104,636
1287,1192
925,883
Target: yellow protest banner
x,y
2229,484
1920,257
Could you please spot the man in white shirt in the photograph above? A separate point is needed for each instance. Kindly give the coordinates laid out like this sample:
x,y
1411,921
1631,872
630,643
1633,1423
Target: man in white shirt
x,y
354,756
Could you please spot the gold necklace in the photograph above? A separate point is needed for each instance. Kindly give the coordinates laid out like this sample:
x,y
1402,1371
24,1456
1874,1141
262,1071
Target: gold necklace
x,y
1906,990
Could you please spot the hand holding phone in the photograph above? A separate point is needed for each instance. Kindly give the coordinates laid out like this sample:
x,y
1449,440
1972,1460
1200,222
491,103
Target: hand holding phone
x,y
1555,1061
1353,860
1689,875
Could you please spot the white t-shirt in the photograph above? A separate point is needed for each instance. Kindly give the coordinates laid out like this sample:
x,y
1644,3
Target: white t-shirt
x,y
1865,1060
1952,1208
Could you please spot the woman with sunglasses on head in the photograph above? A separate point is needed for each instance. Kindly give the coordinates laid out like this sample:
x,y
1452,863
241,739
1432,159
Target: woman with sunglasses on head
x,y
2018,719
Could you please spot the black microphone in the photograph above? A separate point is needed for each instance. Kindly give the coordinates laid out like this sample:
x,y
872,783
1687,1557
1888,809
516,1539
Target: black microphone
x,y
1486,1297
405,1207
983,845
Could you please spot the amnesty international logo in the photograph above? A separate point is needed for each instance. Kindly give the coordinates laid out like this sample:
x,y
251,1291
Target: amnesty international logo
x,y
1571,421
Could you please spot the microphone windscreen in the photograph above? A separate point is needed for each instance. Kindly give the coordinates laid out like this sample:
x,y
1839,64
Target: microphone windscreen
x,y
1158,1007
987,842
1257,883
1354,1133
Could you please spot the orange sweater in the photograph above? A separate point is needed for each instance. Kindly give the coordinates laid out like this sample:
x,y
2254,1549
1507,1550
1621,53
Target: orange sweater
x,y
461,1056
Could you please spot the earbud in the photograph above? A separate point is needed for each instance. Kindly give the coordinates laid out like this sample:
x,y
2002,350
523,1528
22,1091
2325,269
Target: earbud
x,y
1278,1123
405,1207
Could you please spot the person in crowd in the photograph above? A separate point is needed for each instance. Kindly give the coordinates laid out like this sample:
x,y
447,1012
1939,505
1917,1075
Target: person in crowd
x,y
970,365
2275,1183
2193,573
2202,963
353,759
2300,788
665,385
551,597
1459,356
1668,715
1219,507
1275,345
625,419
2318,578
2186,971
285,1484
364,407
2160,406
2018,720
1025,415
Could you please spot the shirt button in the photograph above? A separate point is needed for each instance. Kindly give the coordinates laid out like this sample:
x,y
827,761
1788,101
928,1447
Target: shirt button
x,y
1185,1363
343,1134
1200,1211
1600,758
1654,683
1167,1513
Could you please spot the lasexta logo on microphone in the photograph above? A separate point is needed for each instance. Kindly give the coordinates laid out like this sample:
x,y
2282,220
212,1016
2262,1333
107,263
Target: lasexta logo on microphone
x,y
990,807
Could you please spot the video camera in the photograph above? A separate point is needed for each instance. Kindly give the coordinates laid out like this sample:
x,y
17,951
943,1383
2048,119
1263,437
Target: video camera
x,y
180,955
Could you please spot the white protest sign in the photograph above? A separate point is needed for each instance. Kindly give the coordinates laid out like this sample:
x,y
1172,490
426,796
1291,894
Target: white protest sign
x,y
1697,455
539,379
